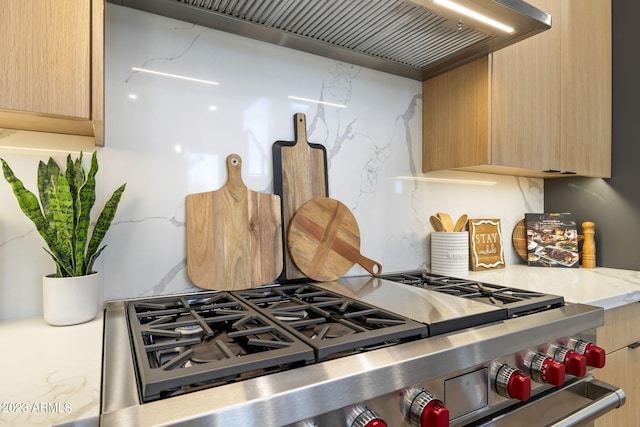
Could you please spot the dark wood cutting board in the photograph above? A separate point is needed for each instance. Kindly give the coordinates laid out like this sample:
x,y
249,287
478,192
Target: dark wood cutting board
x,y
299,175
324,240
234,235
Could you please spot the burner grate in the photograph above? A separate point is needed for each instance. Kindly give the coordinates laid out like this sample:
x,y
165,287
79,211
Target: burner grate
x,y
334,325
186,342
517,302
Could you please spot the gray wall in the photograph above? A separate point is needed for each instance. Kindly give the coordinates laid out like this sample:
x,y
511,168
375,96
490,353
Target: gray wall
x,y
613,204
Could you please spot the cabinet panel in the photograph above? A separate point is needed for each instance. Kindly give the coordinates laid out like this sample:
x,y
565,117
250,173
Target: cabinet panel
x,y
623,363
586,87
456,118
51,75
525,99
46,57
620,327
621,370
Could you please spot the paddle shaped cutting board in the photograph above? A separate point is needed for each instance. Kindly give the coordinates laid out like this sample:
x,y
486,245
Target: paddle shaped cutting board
x,y
324,240
234,235
299,175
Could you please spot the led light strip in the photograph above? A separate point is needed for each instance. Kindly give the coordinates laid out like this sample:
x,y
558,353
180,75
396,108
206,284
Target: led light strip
x,y
475,15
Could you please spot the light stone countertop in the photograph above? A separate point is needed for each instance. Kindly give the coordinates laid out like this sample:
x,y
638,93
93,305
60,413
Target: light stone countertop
x,y
50,375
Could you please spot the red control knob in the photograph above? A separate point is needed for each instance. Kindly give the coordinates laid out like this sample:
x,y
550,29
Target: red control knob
x,y
435,414
575,364
512,383
425,410
596,356
552,372
376,423
519,386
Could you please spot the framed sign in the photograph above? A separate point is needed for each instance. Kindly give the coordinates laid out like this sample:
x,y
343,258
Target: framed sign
x,y
485,244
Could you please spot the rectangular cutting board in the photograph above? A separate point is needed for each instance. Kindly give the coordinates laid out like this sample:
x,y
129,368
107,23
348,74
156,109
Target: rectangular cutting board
x,y
234,235
299,175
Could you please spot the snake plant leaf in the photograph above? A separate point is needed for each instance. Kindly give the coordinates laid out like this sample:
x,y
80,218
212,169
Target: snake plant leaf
x,y
47,173
92,259
103,224
29,205
86,198
62,210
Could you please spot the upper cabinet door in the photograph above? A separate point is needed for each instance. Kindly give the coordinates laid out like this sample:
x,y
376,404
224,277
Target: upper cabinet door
x,y
51,72
46,55
586,87
526,99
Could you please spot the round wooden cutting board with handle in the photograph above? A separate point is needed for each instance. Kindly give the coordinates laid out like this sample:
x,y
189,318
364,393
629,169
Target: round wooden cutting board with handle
x,y
324,240
234,235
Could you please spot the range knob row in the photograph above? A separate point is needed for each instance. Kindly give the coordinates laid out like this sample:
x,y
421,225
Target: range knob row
x,y
549,368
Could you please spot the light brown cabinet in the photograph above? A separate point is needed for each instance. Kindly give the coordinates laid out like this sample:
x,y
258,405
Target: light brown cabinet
x,y
620,336
51,73
539,108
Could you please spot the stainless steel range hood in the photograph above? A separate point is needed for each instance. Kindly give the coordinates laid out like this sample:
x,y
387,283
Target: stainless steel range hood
x,y
416,39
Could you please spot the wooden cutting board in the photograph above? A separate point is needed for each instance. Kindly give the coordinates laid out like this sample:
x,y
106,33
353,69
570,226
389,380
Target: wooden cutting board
x,y
519,239
234,235
324,240
299,175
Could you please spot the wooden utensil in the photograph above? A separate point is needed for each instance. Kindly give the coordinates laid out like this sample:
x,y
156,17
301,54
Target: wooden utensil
x,y
234,235
436,223
461,223
324,240
299,175
447,222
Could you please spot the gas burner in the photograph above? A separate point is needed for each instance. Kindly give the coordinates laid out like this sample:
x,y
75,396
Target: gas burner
x,y
189,330
216,348
331,330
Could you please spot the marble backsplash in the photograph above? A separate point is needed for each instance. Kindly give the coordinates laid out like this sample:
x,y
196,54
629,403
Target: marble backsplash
x,y
169,136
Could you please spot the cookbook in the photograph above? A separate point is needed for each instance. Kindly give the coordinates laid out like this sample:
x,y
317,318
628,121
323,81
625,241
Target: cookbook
x,y
552,240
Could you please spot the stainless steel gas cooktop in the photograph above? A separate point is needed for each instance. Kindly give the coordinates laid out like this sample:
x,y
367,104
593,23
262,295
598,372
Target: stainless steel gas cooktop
x,y
378,350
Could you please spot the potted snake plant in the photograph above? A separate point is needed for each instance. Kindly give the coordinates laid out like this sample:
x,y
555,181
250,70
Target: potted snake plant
x,y
61,215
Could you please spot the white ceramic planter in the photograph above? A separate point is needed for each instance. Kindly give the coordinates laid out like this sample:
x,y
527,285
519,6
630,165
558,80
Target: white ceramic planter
x,y
70,300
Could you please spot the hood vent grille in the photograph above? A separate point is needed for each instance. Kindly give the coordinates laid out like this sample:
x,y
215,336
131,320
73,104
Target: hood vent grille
x,y
397,36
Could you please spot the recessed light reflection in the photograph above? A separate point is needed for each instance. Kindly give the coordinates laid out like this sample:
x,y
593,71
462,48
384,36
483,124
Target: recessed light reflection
x,y
316,101
132,96
212,108
177,148
175,76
